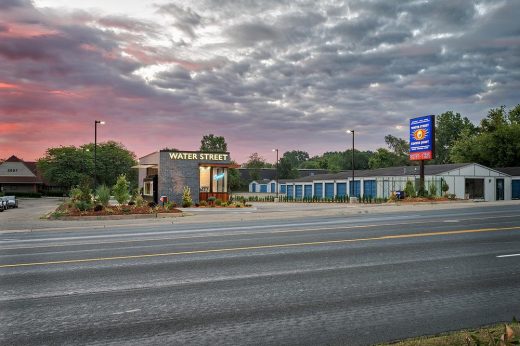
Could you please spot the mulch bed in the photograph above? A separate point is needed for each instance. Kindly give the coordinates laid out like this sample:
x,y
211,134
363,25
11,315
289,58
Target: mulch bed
x,y
121,210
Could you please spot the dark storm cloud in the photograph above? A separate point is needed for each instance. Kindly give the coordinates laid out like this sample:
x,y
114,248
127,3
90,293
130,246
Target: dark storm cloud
x,y
186,19
248,34
261,72
9,4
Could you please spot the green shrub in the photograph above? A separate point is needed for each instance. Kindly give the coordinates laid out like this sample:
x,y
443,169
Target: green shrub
x,y
444,187
203,203
432,189
75,193
103,195
409,190
86,192
218,202
187,201
139,201
82,205
169,205
121,189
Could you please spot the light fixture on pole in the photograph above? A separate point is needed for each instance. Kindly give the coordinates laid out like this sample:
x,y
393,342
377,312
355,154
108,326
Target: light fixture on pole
x,y
96,122
277,188
352,184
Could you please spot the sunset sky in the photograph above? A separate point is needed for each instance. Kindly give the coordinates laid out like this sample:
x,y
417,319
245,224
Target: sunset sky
x,y
292,75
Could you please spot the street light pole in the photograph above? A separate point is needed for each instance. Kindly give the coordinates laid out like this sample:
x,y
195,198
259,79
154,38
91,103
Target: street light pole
x,y
277,187
352,185
95,150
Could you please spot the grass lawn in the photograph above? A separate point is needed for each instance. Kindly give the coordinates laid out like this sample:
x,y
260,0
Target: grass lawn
x,y
486,336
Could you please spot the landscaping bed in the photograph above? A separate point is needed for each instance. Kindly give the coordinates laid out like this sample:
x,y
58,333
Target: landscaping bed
x,y
68,211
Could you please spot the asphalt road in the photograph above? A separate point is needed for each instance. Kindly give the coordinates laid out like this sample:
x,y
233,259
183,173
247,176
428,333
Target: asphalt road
x,y
353,280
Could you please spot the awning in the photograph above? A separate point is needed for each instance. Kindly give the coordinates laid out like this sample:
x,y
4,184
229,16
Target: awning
x,y
225,165
145,166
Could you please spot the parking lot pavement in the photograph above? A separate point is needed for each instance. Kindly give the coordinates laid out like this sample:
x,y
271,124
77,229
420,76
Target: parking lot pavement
x,y
29,211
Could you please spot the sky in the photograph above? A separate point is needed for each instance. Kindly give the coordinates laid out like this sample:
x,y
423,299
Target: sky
x,y
291,75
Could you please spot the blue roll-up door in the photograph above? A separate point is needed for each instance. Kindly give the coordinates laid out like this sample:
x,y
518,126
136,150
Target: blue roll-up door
x,y
283,188
263,187
341,189
370,188
253,187
329,190
299,191
307,192
318,190
290,190
357,188
515,189
273,187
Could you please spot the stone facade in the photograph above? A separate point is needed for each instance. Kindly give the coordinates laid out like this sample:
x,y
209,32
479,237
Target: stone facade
x,y
176,173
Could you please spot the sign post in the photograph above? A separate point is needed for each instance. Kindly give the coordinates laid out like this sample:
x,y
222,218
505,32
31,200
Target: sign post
x,y
422,143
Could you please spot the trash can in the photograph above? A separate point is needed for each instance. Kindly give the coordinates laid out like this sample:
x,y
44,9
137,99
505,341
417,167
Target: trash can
x,y
163,199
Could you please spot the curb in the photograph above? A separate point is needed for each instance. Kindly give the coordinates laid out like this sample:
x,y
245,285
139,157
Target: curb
x,y
118,217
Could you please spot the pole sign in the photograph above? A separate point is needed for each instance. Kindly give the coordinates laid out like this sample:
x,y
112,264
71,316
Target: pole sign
x,y
422,138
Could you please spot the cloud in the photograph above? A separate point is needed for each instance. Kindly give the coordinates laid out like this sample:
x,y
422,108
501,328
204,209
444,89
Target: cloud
x,y
259,73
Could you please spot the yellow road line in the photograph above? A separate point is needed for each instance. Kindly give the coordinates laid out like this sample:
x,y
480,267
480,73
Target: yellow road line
x,y
261,247
242,233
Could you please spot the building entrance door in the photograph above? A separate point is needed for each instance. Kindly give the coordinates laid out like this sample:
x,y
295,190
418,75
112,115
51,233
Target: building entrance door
x,y
500,189
475,188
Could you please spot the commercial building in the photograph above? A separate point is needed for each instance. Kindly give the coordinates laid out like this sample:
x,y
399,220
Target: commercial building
x,y
514,172
17,175
168,173
465,181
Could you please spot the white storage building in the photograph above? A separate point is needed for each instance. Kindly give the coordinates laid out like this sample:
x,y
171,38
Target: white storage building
x,y
465,181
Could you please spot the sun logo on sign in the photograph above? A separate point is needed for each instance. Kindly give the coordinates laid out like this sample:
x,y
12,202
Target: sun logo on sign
x,y
420,134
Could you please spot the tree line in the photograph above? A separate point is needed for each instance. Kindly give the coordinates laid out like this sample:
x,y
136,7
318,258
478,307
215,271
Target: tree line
x,y
495,142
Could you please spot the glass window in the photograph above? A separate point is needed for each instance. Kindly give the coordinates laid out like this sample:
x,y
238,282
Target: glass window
x,y
205,178
219,179
148,188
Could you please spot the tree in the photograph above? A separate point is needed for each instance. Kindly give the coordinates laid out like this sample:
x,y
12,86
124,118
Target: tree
x,y
383,158
296,157
514,115
121,189
66,166
254,164
213,144
496,118
113,159
497,144
234,180
399,146
448,129
286,169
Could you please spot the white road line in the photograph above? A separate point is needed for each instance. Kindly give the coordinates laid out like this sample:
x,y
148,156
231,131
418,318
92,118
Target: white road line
x,y
512,255
126,312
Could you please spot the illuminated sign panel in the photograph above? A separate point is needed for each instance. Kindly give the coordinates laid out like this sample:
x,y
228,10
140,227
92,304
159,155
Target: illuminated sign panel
x,y
422,138
178,155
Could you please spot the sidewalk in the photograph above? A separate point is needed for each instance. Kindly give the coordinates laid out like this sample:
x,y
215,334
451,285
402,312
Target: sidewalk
x,y
28,216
